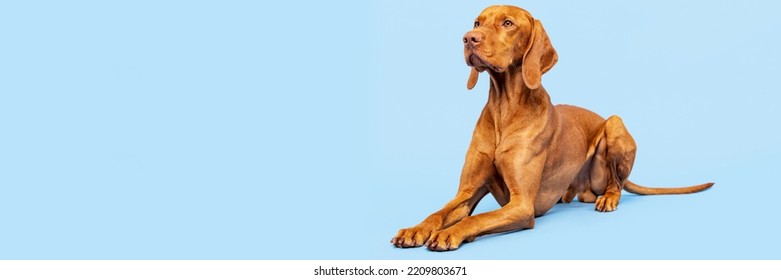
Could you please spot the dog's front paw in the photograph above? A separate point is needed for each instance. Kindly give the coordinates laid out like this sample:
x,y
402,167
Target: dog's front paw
x,y
412,237
445,240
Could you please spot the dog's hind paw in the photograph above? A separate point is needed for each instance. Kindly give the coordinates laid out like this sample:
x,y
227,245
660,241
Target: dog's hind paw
x,y
608,202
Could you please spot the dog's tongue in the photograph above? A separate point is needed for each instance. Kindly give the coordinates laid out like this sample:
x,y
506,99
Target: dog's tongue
x,y
472,78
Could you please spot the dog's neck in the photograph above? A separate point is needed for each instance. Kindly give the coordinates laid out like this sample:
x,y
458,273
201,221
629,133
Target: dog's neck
x,y
509,95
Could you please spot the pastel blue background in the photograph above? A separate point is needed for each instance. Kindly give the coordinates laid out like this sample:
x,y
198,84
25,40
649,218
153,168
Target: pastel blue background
x,y
249,130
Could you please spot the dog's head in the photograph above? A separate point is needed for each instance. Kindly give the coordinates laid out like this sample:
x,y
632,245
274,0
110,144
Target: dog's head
x,y
508,36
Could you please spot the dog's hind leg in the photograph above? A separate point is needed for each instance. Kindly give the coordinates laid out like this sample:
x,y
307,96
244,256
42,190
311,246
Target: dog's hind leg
x,y
614,156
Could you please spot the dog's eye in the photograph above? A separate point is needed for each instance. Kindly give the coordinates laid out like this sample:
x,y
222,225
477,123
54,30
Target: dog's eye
x,y
507,23
477,24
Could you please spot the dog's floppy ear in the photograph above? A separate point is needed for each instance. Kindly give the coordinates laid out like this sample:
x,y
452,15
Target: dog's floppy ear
x,y
472,78
539,57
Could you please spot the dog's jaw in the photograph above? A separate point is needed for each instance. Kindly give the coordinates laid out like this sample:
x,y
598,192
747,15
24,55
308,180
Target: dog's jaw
x,y
473,59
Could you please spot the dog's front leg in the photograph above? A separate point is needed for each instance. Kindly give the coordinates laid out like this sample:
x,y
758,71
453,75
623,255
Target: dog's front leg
x,y
478,170
522,173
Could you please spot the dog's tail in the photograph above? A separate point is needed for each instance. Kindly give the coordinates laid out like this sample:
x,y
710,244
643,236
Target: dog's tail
x,y
638,189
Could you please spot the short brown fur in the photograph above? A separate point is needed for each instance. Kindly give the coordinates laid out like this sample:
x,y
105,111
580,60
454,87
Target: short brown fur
x,y
527,153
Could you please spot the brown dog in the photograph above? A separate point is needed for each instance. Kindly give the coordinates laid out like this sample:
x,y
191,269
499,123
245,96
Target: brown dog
x,y
526,152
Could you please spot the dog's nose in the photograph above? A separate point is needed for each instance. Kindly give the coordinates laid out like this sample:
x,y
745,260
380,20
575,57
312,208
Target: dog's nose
x,y
473,38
